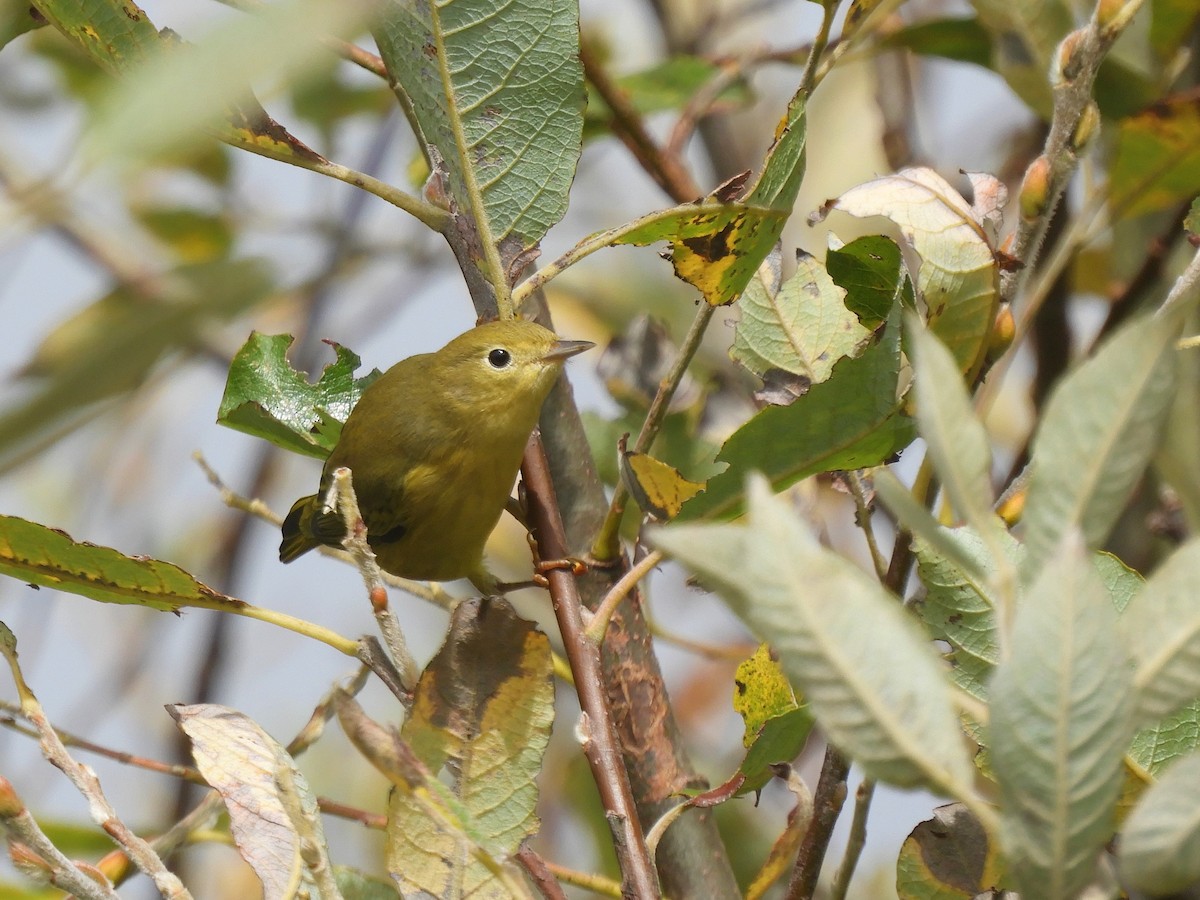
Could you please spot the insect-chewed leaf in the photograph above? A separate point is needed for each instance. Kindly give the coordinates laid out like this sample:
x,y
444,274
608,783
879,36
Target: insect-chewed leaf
x,y
272,812
948,857
811,603
50,558
871,271
1160,843
656,487
1061,719
483,709
801,325
958,278
1099,430
266,397
851,421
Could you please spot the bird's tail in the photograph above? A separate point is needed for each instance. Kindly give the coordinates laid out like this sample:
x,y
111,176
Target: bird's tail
x,y
296,542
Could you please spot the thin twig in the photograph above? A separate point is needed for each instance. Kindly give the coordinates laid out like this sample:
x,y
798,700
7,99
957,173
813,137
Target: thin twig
x,y
667,170
618,592
862,515
827,806
21,828
597,884
140,851
856,841
539,873
342,498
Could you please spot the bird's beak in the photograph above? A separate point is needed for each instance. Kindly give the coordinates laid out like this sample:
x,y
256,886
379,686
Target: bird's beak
x,y
566,349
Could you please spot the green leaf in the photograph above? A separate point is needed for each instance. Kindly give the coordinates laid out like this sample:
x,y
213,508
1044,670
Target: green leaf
x,y
957,606
962,40
16,18
266,397
1176,735
811,605
1171,21
113,33
483,709
496,88
356,885
958,445
1160,842
1098,432
958,279
193,235
1163,627
777,726
50,558
872,272
801,325
850,421
1157,163
111,346
948,857
273,813
1061,708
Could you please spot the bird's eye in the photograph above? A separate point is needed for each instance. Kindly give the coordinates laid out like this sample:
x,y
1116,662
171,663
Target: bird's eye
x,y
499,358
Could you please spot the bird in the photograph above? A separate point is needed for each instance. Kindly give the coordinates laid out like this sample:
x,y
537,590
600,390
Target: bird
x,y
434,446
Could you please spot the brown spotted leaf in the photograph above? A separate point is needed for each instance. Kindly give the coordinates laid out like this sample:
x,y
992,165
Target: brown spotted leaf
x,y
50,558
482,710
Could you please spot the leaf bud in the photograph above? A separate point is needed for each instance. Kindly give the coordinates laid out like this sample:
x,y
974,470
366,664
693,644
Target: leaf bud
x,y
1066,59
1035,188
1004,329
1086,128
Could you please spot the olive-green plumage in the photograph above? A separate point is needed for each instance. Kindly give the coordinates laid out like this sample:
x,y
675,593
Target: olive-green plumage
x,y
434,445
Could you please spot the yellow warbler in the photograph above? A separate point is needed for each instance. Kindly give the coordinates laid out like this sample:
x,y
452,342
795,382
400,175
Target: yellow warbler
x,y
434,445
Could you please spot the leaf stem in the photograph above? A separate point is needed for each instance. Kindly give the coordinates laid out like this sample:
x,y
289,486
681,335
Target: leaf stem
x,y
607,545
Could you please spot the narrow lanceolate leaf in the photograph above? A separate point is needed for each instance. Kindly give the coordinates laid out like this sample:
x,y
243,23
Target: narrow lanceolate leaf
x,y
1099,431
958,443
1061,719
1163,627
958,278
483,709
851,421
879,692
800,326
1160,843
497,91
273,813
958,605
266,397
50,558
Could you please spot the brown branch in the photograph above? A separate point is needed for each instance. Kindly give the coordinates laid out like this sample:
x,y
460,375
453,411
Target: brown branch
x,y
666,169
539,873
827,806
597,732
